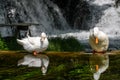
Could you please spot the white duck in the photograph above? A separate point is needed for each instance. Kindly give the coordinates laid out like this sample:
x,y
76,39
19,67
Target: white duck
x,y
98,40
40,60
34,44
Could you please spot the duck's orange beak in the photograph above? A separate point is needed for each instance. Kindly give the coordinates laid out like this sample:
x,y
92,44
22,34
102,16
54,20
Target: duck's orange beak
x,y
96,67
96,40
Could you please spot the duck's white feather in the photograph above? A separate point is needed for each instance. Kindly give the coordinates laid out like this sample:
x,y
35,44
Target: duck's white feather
x,y
102,38
31,44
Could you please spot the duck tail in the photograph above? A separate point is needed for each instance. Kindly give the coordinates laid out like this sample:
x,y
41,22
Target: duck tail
x,y
20,42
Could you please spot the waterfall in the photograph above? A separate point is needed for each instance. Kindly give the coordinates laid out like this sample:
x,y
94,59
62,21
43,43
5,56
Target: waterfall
x,y
98,13
43,12
105,16
5,31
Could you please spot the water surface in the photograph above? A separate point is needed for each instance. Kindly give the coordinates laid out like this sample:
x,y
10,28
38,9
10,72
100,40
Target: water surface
x,y
62,66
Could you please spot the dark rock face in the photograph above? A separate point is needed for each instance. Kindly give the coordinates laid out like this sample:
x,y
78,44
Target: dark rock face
x,y
117,3
76,12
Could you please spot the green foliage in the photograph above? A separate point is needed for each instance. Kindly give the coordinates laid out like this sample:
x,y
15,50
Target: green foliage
x,y
58,68
64,44
3,45
55,44
9,43
79,69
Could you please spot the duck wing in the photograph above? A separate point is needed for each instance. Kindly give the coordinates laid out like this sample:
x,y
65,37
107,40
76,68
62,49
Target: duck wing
x,y
26,44
21,42
34,40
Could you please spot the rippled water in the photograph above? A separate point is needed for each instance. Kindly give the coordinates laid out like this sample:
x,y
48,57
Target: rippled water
x,y
62,66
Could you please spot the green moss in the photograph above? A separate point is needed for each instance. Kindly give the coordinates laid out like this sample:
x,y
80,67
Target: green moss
x,y
64,44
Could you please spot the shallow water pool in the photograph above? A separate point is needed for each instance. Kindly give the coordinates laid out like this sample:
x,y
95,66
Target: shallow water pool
x,y
62,66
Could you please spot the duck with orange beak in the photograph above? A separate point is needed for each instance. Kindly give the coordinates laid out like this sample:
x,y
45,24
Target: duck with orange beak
x,y
34,44
98,40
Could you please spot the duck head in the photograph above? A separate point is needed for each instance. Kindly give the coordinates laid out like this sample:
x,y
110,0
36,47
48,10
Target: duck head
x,y
43,36
95,31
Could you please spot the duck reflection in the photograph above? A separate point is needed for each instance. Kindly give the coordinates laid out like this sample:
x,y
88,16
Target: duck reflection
x,y
39,60
98,64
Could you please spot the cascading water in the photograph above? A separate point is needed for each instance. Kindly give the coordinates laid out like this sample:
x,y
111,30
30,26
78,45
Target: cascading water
x,y
105,15
5,31
102,13
44,12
